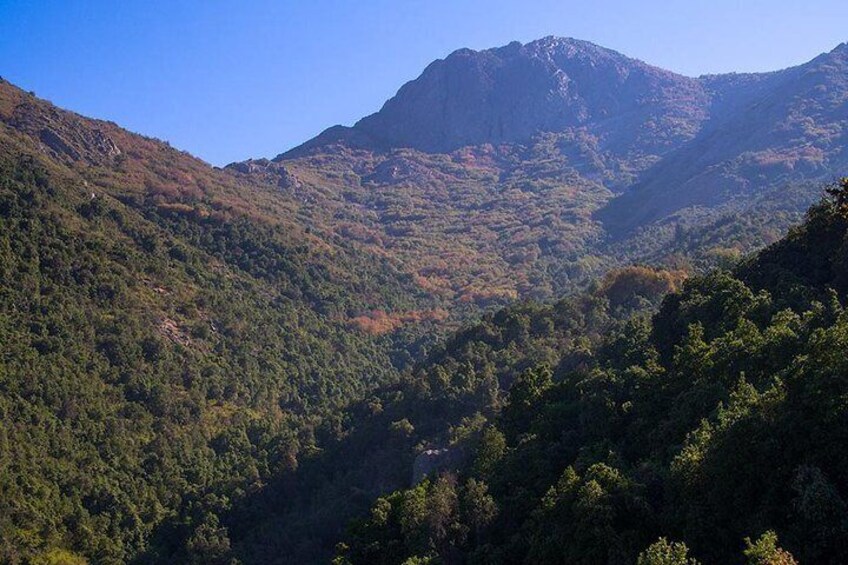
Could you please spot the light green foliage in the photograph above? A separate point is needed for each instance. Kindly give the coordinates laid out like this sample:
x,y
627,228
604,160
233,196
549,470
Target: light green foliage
x,y
765,551
663,552
58,557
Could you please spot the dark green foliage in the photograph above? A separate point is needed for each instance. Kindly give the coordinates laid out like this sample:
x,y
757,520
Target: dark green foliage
x,y
156,370
722,420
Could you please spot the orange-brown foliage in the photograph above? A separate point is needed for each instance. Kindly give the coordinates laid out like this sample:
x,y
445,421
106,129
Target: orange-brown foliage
x,y
621,286
378,322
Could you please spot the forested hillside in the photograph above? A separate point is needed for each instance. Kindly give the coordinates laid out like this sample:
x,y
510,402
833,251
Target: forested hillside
x,y
441,405
437,335
169,341
712,432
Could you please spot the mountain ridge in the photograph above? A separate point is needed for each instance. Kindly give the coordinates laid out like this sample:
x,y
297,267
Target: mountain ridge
x,y
213,364
660,144
553,153
548,49
772,131
548,58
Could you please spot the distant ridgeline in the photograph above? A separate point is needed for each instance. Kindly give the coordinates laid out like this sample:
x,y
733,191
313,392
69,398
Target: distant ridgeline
x,y
204,365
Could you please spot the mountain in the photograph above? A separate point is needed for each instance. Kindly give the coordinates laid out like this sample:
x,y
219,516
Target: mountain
x,y
526,169
508,173
554,85
512,93
222,365
630,110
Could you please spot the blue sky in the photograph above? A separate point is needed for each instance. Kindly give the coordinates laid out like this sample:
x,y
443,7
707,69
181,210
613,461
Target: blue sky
x,y
232,80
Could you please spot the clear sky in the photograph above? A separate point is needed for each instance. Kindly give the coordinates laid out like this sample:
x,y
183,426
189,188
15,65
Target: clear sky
x,y
232,80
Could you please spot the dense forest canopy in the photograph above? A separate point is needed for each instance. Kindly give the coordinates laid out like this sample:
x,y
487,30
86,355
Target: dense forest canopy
x,y
718,423
554,345
163,355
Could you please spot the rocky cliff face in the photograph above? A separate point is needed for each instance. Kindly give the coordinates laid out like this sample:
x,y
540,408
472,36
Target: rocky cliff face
x,y
62,135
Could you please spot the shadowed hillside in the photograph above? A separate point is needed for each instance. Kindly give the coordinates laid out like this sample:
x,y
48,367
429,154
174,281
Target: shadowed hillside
x,y
227,365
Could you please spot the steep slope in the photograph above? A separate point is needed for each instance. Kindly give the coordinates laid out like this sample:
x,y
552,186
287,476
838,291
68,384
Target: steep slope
x,y
765,130
512,93
478,226
719,421
621,109
148,174
171,337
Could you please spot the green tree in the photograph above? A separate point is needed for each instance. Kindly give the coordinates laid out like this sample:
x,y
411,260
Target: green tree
x,y
663,552
479,507
765,551
838,192
490,450
526,391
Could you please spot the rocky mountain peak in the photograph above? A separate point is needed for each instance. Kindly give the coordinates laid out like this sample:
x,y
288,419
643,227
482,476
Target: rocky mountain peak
x,y
842,48
561,49
661,142
511,93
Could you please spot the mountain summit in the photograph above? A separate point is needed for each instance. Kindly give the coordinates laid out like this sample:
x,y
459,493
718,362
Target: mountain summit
x,y
511,93
662,143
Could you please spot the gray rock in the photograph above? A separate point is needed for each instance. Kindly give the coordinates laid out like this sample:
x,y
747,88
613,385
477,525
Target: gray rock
x,y
511,93
274,171
433,461
58,144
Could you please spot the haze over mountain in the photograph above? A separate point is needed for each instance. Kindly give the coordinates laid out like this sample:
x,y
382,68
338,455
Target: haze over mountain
x,y
764,129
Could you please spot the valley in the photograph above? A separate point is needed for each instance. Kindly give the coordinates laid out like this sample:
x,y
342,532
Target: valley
x,y
579,283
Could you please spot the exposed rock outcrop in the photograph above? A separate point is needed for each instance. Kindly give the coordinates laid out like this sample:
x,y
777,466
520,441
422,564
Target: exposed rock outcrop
x,y
511,93
273,171
433,461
